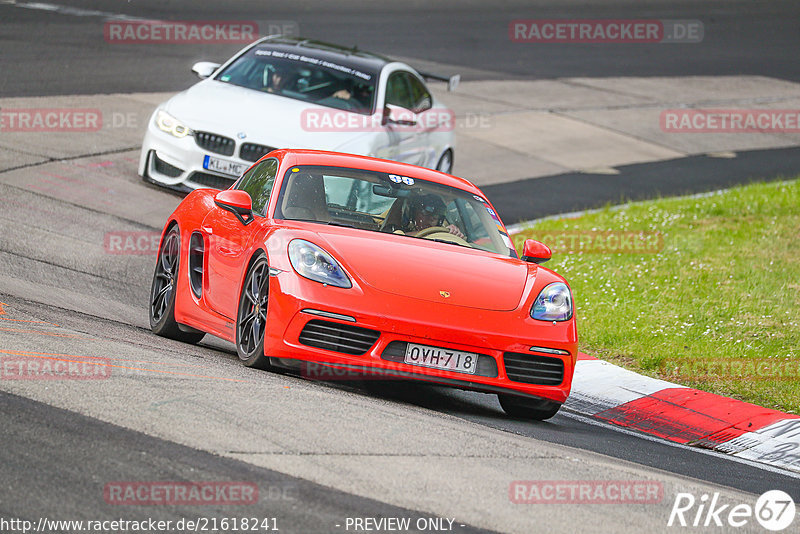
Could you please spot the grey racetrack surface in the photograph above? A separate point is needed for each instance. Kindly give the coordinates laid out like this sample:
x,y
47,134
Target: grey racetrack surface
x,y
183,413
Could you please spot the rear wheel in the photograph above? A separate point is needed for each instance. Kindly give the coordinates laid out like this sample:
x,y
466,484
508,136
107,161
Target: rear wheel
x,y
163,292
251,320
446,162
528,408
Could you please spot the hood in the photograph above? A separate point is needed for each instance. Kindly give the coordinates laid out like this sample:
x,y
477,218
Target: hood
x,y
266,119
424,269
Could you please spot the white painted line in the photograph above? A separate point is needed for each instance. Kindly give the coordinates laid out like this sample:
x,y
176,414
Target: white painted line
x,y
74,11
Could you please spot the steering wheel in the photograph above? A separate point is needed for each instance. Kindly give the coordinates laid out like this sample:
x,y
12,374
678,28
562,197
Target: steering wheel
x,y
432,230
450,238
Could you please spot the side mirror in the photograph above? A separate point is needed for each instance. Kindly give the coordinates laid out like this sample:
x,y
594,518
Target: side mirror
x,y
396,115
237,202
535,251
204,69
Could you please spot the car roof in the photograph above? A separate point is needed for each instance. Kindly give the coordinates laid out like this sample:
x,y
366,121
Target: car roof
x,y
338,159
354,57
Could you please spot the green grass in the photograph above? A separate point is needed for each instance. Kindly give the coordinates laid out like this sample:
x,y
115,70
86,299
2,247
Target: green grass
x,y
718,308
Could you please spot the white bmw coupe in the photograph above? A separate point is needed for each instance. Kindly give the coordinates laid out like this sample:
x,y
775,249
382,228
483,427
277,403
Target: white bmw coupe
x,y
282,92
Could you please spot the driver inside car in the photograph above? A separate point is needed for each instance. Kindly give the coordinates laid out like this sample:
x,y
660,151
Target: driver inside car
x,y
277,78
426,211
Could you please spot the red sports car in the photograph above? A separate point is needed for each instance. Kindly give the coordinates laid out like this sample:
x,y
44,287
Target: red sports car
x,y
317,260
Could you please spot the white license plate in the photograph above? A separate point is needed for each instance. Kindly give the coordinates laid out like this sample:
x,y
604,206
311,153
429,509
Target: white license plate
x,y
438,358
224,166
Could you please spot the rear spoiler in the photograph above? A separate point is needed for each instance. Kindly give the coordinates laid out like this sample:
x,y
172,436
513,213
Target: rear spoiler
x,y
452,81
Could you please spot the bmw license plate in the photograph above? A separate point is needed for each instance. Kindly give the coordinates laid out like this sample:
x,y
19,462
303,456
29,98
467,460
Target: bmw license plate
x,y
438,358
231,168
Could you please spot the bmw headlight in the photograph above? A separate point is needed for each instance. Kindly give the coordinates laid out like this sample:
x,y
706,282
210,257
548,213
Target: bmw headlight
x,y
171,125
554,303
312,262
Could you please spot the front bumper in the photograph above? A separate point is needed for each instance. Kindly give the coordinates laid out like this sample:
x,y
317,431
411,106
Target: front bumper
x,y
494,335
177,163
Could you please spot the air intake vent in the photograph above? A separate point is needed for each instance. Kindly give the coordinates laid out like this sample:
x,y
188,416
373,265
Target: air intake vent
x,y
531,369
338,337
215,143
252,152
165,168
196,253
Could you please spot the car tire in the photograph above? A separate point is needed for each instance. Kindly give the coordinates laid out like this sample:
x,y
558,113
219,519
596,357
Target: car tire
x,y
251,317
528,408
445,162
163,292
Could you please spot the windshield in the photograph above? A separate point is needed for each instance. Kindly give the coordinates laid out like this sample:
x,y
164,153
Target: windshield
x,y
302,77
391,203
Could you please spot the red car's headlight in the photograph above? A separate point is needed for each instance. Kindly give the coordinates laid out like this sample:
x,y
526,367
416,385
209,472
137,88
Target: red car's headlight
x,y
314,263
554,303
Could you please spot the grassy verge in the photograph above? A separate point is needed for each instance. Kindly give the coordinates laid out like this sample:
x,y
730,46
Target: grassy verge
x,y
700,291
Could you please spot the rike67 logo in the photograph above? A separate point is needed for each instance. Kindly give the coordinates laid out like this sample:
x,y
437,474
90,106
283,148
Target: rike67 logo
x,y
774,510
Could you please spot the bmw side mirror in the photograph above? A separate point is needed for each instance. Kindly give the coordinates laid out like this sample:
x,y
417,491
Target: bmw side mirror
x,y
204,69
237,202
535,251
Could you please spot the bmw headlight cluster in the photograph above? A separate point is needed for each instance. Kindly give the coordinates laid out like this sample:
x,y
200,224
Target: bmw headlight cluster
x,y
312,262
171,125
554,303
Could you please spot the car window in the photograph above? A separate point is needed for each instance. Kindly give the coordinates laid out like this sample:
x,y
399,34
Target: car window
x,y
398,92
405,90
471,220
354,195
258,182
420,97
401,205
302,77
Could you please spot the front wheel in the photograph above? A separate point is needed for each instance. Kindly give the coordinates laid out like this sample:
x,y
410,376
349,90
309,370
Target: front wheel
x,y
528,408
251,320
164,289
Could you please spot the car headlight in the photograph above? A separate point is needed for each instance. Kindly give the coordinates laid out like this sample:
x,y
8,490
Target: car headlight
x,y
554,303
312,262
171,125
